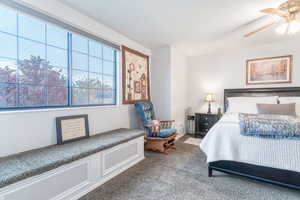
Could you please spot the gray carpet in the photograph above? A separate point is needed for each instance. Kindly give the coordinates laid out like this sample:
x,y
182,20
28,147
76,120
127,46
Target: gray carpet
x,y
182,175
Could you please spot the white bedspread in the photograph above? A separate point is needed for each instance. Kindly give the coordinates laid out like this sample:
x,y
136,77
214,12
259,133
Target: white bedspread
x,y
224,142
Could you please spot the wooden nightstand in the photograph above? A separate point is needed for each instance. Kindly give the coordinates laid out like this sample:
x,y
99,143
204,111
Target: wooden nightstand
x,y
203,122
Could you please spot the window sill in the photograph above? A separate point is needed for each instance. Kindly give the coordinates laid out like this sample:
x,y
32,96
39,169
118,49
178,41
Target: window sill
x,y
60,109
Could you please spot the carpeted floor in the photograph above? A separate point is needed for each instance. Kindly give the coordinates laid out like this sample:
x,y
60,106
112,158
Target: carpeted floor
x,y
182,175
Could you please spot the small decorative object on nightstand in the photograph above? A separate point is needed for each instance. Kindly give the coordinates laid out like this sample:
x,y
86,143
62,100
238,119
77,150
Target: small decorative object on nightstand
x,y
190,124
203,122
210,97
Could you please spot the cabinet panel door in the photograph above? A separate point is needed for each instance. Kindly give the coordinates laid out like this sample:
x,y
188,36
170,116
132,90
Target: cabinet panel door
x,y
120,155
52,185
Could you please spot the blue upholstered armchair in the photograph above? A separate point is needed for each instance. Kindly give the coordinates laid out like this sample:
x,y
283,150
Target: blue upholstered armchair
x,y
160,135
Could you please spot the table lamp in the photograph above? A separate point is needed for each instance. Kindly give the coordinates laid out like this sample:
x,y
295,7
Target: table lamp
x,y
210,97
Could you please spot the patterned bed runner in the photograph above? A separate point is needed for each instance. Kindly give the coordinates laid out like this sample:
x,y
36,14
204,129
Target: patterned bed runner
x,y
270,126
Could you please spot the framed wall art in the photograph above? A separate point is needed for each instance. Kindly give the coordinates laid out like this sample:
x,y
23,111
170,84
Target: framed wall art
x,y
72,128
273,70
135,71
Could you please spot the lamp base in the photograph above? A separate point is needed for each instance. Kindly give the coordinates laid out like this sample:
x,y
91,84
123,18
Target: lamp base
x,y
209,108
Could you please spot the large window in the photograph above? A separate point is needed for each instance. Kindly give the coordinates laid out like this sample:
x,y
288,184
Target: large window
x,y
43,65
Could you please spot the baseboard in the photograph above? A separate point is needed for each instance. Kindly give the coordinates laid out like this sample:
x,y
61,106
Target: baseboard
x,y
179,135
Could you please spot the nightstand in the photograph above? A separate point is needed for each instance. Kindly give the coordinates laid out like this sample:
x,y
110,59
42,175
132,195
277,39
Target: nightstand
x,y
203,122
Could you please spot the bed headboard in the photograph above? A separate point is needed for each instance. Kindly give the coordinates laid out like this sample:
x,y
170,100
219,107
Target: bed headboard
x,y
260,92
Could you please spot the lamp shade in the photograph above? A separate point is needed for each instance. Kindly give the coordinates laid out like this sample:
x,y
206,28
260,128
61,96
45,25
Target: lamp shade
x,y
210,97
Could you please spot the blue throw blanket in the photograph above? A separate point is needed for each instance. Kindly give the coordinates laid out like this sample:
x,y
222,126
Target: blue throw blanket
x,y
270,126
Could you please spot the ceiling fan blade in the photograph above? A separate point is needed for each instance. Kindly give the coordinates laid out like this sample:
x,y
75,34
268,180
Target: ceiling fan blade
x,y
274,11
260,29
284,6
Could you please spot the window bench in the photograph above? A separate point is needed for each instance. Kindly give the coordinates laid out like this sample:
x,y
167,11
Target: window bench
x,y
71,170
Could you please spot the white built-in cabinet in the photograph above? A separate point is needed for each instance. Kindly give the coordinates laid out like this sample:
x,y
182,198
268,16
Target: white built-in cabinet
x,y
76,179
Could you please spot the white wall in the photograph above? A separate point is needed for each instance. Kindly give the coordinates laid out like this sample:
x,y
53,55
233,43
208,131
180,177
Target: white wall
x,y
179,68
161,82
218,71
25,130
169,85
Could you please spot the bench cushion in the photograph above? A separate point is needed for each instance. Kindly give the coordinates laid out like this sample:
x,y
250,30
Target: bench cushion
x,y
24,165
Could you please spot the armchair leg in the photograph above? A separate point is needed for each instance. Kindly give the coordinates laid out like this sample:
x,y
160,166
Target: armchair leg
x,y
164,152
156,145
161,144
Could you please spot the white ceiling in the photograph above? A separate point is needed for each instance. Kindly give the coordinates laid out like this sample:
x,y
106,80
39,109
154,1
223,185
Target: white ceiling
x,y
194,26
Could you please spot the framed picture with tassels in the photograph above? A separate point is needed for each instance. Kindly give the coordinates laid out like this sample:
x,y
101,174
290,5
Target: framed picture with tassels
x,y
135,71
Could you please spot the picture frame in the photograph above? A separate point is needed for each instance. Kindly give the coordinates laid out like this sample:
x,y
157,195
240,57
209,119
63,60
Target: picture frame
x,y
71,128
135,76
270,70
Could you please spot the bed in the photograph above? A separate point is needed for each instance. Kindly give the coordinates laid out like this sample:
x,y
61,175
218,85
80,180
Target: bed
x,y
271,160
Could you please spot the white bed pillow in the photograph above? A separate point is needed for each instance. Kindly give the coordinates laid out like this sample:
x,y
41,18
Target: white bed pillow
x,y
248,104
285,100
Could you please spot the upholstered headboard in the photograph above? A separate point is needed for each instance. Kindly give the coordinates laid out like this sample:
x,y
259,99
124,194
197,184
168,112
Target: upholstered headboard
x,y
260,92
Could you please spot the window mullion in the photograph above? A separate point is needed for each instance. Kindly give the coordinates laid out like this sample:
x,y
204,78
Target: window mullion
x,y
115,79
18,71
70,70
46,69
102,86
88,62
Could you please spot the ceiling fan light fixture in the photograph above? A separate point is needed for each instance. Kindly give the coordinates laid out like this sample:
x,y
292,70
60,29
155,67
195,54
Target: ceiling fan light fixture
x,y
289,28
282,29
294,27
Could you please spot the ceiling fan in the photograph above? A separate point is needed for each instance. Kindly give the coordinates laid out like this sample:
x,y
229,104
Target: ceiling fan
x,y
288,11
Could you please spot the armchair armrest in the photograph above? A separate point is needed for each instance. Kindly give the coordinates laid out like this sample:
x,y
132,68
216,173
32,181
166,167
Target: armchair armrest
x,y
166,124
154,129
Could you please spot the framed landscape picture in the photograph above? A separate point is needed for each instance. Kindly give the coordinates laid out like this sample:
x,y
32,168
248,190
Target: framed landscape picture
x,y
135,71
273,70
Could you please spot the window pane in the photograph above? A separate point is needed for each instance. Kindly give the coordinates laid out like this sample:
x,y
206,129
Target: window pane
x,y
108,68
31,28
8,70
57,96
8,20
95,65
95,80
108,82
80,96
8,47
57,57
95,49
95,96
80,61
108,97
108,53
79,43
57,76
33,71
80,79
28,48
32,96
57,37
8,95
